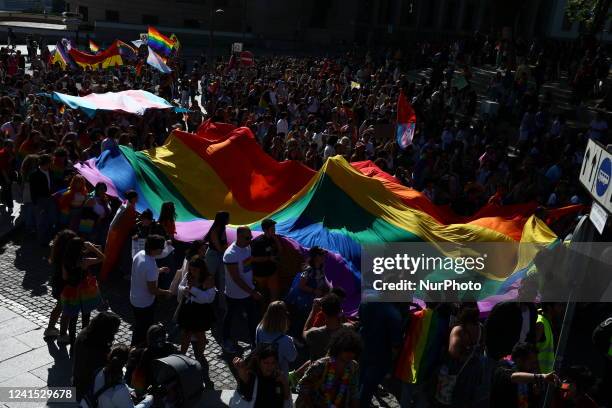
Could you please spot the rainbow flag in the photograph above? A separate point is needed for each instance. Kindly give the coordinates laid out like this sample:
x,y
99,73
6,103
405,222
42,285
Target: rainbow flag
x,y
340,207
93,47
423,346
159,42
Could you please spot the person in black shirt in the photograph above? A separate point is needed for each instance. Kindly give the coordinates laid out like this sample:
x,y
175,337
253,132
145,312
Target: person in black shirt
x,y
515,384
265,272
272,385
40,187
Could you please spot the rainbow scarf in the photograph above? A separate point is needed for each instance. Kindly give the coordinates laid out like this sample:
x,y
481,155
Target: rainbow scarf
x,y
159,42
340,207
423,346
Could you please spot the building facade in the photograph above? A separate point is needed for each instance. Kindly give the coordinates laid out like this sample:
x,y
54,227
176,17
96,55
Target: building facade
x,y
296,24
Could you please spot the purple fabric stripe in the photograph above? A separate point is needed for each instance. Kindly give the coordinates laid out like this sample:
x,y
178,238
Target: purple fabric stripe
x,y
91,173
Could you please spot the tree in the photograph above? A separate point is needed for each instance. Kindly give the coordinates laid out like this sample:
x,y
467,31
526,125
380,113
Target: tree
x,y
592,13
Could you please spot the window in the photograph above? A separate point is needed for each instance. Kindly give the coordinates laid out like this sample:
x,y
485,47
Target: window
x,y
567,24
112,15
191,23
150,19
84,12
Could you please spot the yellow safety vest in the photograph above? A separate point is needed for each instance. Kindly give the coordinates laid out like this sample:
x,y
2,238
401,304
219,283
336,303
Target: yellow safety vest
x,y
546,348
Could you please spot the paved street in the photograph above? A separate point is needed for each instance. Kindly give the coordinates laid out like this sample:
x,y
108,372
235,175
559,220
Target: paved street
x,y
25,302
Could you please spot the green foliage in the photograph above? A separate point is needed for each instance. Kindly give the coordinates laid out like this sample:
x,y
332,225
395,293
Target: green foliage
x,y
591,13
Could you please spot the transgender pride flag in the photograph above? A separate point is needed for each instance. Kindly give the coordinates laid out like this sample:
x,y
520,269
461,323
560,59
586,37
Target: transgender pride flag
x,y
406,121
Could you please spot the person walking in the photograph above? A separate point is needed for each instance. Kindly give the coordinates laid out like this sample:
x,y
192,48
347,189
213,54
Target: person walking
x,y
40,188
144,287
240,290
80,293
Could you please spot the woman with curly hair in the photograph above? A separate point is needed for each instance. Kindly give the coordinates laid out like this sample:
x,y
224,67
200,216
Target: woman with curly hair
x,y
333,380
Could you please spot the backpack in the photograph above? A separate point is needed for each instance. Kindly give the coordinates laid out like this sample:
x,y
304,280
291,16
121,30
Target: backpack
x,y
273,344
602,336
90,400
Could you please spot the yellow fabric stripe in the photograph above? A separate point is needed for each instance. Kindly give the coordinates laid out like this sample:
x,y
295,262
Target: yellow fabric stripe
x,y
198,182
371,195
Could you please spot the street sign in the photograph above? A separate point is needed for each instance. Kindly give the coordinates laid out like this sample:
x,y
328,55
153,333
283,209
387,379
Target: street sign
x,y
596,174
237,47
599,217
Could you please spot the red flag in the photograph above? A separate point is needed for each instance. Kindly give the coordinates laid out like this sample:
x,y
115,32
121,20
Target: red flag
x,y
247,59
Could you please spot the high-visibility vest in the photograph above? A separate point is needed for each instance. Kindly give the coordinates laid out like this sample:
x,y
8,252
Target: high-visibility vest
x,y
546,348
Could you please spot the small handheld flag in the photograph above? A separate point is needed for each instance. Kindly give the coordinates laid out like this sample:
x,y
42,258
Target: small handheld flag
x,y
406,122
156,62
93,47
159,42
177,43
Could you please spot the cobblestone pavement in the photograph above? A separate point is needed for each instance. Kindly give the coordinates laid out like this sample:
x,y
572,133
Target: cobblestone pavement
x,y
24,272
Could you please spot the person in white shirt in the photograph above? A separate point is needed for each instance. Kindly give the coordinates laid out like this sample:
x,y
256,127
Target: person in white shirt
x,y
109,388
282,126
240,290
144,287
330,149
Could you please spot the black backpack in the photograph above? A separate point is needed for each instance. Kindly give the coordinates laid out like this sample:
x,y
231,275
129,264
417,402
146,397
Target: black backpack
x,y
92,397
273,344
602,335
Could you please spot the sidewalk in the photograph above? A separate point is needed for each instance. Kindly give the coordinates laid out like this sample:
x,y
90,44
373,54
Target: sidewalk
x,y
26,360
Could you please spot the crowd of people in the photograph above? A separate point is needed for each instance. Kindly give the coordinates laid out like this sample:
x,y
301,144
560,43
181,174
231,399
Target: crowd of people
x,y
305,109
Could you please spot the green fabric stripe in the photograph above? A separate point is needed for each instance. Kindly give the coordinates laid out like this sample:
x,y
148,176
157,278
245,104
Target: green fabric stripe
x,y
328,204
156,187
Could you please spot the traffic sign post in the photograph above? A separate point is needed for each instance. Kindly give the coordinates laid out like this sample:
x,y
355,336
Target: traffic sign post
x,y
596,174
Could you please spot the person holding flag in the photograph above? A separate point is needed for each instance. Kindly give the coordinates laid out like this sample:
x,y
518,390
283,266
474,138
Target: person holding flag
x,y
406,121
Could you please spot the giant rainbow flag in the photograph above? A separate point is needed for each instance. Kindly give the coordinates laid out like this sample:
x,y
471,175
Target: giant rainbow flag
x,y
340,207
